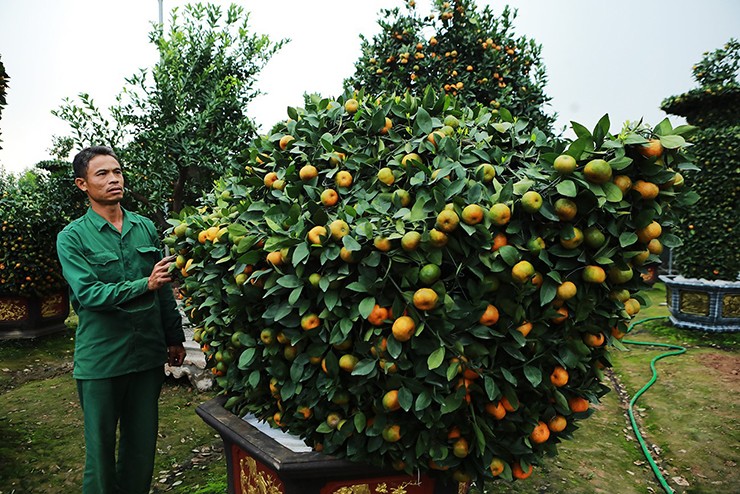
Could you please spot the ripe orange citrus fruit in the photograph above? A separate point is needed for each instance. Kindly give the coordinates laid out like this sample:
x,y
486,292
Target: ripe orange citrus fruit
x,y
497,466
653,230
425,299
519,473
307,172
392,433
390,401
594,274
647,190
285,140
598,171
461,449
540,434
310,321
447,221
495,410
565,164
317,235
623,182
377,315
557,424
578,404
490,316
329,197
652,149
565,209
567,290
500,214
574,241
559,376
343,178
531,201
522,271
525,328
403,328
410,241
472,214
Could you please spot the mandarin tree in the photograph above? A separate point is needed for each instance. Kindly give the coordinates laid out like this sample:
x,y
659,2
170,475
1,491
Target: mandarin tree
x,y
3,90
466,51
444,368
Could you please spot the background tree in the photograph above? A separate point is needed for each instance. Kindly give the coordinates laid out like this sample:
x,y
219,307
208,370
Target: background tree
x,y
178,126
710,232
465,51
3,90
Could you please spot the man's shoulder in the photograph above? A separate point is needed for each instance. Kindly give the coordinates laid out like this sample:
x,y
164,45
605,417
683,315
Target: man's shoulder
x,y
143,220
73,226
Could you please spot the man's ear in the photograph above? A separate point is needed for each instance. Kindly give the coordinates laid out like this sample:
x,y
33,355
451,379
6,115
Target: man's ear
x,y
81,184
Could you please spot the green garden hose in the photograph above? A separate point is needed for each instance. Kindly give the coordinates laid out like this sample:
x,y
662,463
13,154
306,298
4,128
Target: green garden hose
x,y
676,350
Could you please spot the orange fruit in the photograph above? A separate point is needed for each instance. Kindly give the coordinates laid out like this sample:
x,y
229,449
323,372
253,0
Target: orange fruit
x,y
524,328
390,401
497,466
567,290
410,159
619,275
447,221
518,472
557,424
310,321
485,173
623,182
565,164
540,434
285,140
578,404
500,214
632,306
386,176
652,149
507,405
495,410
349,256
522,271
387,127
336,157
559,376
392,433
655,247
348,362
594,274
454,433
338,229
598,171
275,258
307,172
403,328
317,235
565,209
531,201
574,241
329,197
472,214
425,299
435,137
377,315
490,316
562,317
202,236
383,244
594,340
653,230
304,412
343,178
410,241
647,190
351,105
437,238
461,449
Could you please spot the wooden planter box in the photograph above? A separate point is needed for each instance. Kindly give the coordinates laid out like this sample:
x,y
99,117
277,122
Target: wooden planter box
x,y
703,305
30,317
258,463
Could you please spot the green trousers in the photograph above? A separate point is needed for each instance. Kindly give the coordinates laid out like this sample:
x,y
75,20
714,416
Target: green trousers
x,y
128,403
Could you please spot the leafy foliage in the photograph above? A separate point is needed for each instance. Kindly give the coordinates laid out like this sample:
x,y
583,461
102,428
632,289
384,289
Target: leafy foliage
x,y
472,54
177,127
302,298
32,212
710,231
3,89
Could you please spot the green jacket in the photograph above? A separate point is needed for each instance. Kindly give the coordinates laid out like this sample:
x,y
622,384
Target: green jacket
x,y
123,327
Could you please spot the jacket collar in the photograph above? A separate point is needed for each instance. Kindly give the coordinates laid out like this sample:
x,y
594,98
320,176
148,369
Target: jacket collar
x,y
99,222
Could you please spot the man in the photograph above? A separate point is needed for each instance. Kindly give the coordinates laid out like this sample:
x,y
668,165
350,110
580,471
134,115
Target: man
x,y
128,327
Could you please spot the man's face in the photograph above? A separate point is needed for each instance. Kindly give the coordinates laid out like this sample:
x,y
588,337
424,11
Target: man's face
x,y
104,180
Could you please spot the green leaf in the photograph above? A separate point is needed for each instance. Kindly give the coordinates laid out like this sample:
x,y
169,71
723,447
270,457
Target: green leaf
x,y
613,193
548,291
423,122
669,240
300,254
351,244
672,141
405,399
436,358
509,254
601,130
366,306
490,386
567,188
423,400
365,367
378,121
533,375
580,131
246,357
627,238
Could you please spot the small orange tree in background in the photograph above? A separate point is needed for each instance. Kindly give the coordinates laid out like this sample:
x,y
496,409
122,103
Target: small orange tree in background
x,y
466,52
425,296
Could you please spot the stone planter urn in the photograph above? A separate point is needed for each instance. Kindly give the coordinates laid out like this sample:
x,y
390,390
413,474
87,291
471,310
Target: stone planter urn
x,y
31,317
701,304
268,461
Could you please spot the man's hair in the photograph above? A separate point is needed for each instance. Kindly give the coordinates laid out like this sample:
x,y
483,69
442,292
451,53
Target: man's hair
x,y
83,158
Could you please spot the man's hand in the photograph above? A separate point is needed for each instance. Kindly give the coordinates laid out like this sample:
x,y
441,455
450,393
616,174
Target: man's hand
x,y
160,274
175,355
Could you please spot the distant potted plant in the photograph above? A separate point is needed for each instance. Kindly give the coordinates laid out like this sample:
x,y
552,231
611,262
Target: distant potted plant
x,y
33,294
706,294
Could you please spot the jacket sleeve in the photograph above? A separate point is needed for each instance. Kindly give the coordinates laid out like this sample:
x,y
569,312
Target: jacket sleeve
x,y
87,288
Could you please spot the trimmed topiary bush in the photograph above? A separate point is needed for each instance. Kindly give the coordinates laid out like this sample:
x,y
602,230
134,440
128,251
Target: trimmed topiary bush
x,y
710,231
411,283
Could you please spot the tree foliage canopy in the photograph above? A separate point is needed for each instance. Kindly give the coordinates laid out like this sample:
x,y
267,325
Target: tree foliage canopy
x,y
177,126
465,51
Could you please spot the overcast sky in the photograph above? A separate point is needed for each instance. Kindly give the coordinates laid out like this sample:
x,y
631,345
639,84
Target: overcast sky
x,y
617,57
